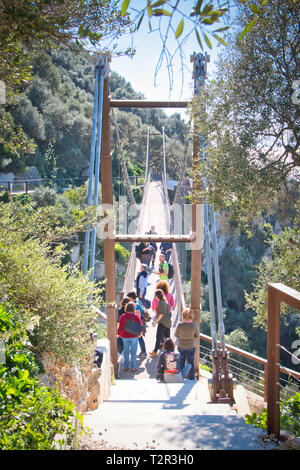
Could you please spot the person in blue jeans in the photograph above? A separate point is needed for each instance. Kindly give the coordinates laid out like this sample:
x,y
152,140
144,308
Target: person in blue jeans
x,y
139,311
130,341
187,334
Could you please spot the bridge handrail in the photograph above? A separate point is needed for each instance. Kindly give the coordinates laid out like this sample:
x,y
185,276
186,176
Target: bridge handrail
x,y
174,257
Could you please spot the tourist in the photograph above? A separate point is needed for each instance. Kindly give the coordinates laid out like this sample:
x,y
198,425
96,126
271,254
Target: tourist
x,y
145,253
141,285
164,286
162,320
168,367
130,341
139,311
163,269
166,249
121,310
187,332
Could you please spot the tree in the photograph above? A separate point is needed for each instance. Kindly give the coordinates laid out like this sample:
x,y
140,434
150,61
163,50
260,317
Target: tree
x,y
248,116
205,20
282,266
26,26
34,281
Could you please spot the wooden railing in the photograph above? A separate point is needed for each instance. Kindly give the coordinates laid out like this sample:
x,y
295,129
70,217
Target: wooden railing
x,y
277,293
257,359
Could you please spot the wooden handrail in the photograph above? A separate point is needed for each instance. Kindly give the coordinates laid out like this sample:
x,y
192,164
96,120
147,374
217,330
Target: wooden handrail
x,y
251,356
277,293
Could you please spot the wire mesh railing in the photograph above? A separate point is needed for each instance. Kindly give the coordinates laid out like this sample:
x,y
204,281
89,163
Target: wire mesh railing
x,y
250,371
29,185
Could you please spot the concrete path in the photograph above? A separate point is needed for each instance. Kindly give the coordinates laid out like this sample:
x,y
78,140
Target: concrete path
x,y
144,414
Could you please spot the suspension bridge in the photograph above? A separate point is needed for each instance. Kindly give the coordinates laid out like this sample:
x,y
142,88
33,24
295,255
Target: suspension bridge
x,y
139,412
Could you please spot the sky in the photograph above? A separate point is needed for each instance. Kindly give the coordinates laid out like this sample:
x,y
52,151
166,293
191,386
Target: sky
x,y
140,70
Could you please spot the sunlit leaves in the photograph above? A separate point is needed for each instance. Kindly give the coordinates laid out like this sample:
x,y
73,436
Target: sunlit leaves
x,y
248,28
179,29
124,7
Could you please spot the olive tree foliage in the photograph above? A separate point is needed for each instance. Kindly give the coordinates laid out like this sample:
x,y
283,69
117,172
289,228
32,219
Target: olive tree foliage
x,y
57,297
282,265
249,119
205,20
27,26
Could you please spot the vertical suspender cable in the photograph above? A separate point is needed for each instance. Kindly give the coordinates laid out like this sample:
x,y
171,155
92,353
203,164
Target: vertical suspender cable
x,y
164,157
210,280
217,279
147,156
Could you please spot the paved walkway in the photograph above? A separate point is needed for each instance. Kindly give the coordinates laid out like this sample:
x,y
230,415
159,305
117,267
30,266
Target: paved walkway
x,y
145,414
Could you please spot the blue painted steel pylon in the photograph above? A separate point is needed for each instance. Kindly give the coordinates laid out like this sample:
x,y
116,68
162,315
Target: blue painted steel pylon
x,y
101,71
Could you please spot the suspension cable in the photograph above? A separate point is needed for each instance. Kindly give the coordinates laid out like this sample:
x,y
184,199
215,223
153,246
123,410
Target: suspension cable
x,y
183,167
123,163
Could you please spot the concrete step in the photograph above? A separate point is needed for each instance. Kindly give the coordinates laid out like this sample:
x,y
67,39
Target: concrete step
x,y
143,414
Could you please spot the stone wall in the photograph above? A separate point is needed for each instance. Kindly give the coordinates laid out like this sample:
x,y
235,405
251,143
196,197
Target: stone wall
x,y
80,386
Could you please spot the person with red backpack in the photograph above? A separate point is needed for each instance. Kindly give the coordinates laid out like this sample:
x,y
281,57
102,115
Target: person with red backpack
x,y
130,338
168,367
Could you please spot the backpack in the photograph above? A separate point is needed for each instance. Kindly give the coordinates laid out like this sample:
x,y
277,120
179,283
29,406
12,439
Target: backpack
x,y
171,363
171,271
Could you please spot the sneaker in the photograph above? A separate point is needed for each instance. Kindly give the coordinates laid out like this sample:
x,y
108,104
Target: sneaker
x,y
143,354
125,369
133,370
153,354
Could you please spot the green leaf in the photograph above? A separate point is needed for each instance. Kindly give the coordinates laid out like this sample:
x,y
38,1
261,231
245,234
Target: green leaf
x,y
221,29
254,8
179,29
159,3
160,12
149,9
207,40
124,7
199,39
221,40
208,7
247,28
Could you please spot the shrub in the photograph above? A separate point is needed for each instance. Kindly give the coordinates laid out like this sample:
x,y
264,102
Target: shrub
x,y
289,416
32,416
32,278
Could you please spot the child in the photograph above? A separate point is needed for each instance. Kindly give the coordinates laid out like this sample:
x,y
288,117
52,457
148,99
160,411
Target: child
x,y
168,362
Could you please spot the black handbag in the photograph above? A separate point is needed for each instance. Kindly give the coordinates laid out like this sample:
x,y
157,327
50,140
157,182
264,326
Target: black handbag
x,y
133,327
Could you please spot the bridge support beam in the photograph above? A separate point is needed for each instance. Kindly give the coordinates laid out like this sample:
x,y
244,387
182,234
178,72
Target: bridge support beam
x,y
108,242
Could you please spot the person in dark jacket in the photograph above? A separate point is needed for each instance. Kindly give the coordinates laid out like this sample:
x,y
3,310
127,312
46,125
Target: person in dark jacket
x,y
145,253
141,285
166,249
